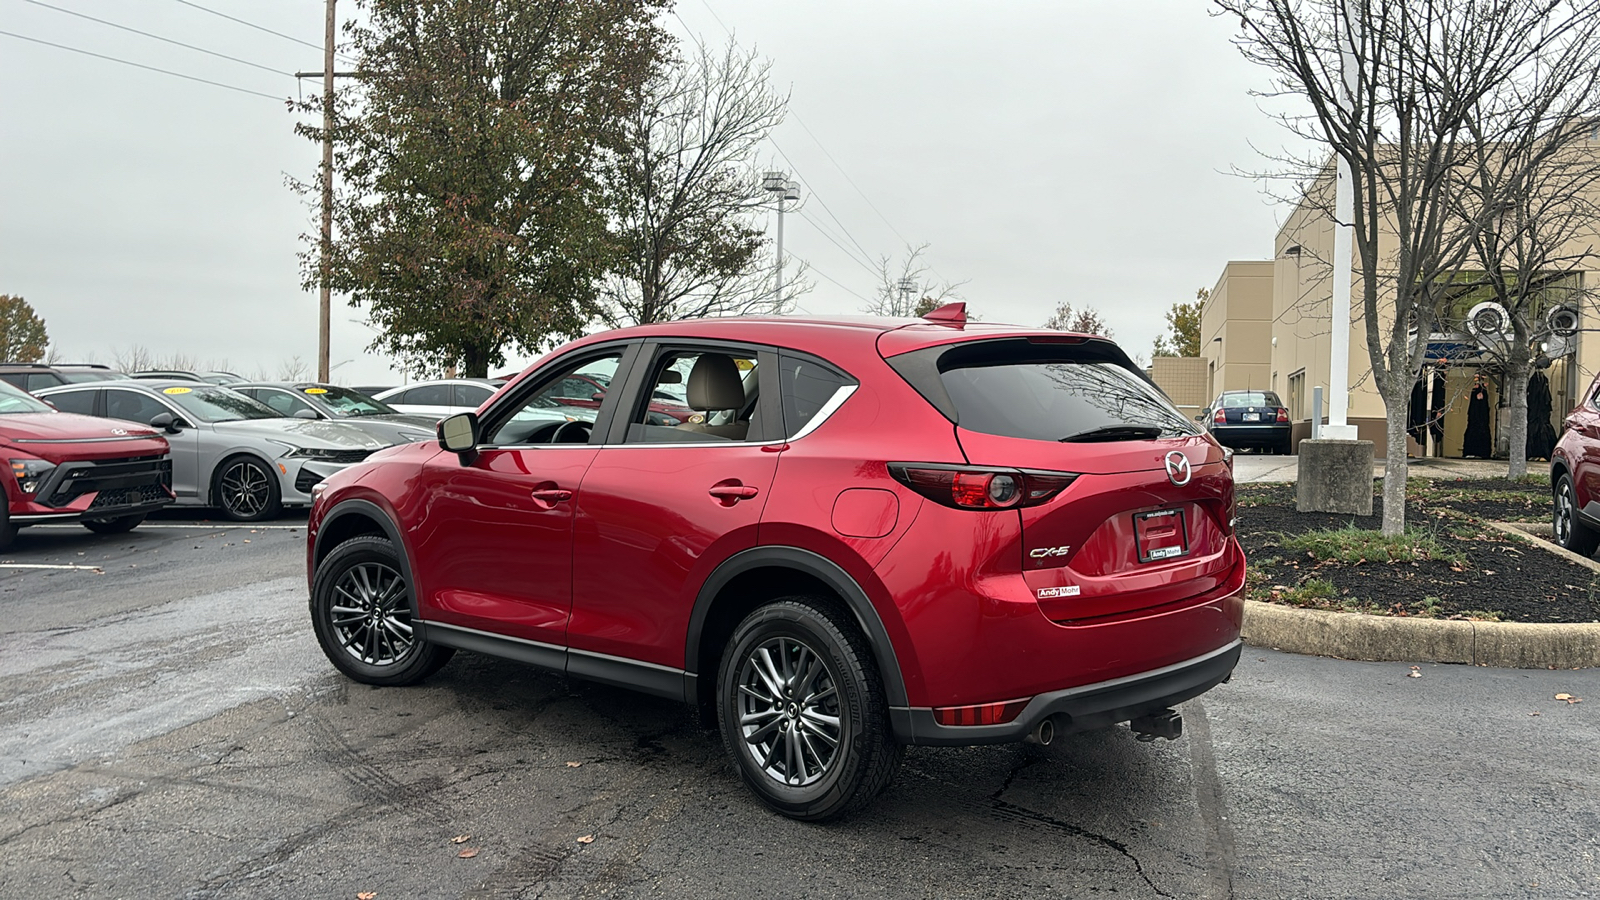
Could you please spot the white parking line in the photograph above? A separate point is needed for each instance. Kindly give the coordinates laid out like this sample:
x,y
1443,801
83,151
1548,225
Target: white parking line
x,y
43,566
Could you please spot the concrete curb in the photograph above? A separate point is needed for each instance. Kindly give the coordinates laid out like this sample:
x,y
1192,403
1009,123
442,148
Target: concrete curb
x,y
1511,645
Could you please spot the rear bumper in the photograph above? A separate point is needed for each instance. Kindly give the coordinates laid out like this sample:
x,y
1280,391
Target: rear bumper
x,y
1084,708
1251,435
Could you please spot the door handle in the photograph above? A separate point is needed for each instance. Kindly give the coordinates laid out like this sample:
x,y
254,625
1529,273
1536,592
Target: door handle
x,y
552,495
732,493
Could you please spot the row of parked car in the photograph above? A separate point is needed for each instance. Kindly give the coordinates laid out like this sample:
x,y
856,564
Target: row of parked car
x,y
104,448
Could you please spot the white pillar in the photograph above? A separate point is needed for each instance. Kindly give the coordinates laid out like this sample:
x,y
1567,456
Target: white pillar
x,y
1344,202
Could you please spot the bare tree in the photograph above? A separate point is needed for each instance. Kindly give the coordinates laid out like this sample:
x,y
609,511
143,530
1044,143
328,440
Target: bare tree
x,y
1086,320
292,369
1538,183
682,189
134,359
1401,121
908,289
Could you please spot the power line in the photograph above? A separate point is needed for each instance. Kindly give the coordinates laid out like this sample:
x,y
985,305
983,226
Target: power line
x,y
163,39
832,240
23,37
287,37
852,293
802,124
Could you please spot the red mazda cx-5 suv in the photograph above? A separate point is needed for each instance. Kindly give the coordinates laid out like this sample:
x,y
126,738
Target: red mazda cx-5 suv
x,y
883,532
1575,477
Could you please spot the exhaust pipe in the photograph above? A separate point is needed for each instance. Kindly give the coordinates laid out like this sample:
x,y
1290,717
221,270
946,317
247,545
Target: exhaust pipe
x,y
1043,733
1166,724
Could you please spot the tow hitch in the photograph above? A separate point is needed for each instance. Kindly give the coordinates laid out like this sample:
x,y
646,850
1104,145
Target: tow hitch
x,y
1168,723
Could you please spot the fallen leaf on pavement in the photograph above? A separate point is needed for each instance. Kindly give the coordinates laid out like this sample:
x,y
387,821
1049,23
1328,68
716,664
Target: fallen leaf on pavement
x,y
1569,698
1533,714
367,895
573,765
1416,672
461,839
586,839
468,853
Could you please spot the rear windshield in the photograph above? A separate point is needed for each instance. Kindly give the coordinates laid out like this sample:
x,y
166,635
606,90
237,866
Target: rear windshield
x,y
1242,399
1041,391
344,402
1052,401
218,404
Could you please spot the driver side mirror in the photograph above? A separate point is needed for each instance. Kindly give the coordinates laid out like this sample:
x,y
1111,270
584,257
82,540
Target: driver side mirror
x,y
303,414
459,435
166,422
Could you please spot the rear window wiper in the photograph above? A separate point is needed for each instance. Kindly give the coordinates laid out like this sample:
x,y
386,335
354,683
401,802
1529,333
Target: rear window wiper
x,y
1115,433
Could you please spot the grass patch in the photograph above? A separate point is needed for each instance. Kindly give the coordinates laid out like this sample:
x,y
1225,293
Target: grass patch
x,y
1353,546
1540,479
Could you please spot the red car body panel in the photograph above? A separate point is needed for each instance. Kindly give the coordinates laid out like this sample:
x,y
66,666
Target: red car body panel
x,y
1577,453
622,569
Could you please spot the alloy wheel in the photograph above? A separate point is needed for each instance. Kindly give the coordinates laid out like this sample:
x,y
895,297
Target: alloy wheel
x,y
789,712
245,489
1563,514
370,616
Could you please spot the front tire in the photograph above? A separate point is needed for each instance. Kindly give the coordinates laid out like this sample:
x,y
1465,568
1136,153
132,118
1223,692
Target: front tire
x,y
8,531
1570,531
802,710
361,613
118,525
246,490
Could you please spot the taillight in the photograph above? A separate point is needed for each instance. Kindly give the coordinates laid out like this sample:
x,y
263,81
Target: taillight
x,y
1219,417
1283,415
971,487
982,714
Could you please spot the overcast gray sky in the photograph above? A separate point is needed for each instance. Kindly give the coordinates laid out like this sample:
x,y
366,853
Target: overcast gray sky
x,y
1048,150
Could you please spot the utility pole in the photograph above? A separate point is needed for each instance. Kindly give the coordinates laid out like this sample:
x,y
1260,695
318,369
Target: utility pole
x,y
325,308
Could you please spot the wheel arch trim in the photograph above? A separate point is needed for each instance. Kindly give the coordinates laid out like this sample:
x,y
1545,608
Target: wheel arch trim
x,y
356,506
817,566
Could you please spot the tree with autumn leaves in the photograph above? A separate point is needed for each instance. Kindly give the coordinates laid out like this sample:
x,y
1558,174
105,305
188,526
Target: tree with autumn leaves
x,y
22,333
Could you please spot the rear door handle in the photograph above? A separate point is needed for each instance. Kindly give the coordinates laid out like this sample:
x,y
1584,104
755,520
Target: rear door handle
x,y
730,494
552,495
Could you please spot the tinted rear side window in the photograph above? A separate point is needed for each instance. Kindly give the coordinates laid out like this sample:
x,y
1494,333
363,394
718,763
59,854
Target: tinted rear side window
x,y
80,402
806,387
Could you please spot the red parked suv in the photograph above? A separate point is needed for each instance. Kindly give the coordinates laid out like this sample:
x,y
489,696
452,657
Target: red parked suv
x,y
69,468
883,532
1575,477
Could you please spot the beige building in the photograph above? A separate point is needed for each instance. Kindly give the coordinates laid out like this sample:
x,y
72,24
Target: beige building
x,y
1236,329
1287,349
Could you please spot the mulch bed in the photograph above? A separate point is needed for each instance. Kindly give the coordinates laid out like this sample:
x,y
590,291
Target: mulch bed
x,y
1503,577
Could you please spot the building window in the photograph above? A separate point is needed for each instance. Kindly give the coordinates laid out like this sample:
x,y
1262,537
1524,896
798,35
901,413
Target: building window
x,y
1297,396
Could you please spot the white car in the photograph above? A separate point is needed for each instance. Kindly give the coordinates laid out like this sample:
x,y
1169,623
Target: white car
x,y
440,398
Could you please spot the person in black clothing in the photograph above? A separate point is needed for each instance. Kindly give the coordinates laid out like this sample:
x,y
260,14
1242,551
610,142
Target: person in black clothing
x,y
1541,436
1418,420
1478,440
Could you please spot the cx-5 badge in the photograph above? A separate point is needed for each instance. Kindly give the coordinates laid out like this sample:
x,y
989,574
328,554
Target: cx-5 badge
x,y
1046,552
1178,471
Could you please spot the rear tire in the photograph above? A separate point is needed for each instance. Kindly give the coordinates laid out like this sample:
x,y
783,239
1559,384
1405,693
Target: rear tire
x,y
361,613
1570,531
118,525
802,710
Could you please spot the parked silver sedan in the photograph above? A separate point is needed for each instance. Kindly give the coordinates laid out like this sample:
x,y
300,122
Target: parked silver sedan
x,y
228,451
314,400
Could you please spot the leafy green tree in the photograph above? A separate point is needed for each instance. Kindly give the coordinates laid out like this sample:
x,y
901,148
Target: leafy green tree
x,y
1183,328
22,334
1087,320
469,214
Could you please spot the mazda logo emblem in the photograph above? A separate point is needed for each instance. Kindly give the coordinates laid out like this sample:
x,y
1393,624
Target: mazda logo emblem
x,y
1178,468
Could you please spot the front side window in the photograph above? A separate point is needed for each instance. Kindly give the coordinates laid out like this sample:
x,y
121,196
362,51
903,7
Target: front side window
x,y
539,416
132,406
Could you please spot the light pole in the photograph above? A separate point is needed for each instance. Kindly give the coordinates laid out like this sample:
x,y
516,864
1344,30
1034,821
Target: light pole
x,y
779,185
908,287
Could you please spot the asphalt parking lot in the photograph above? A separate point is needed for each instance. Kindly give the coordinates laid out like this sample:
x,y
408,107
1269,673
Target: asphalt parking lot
x,y
168,728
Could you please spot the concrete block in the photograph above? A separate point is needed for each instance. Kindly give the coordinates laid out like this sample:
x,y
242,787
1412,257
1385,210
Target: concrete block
x,y
1335,477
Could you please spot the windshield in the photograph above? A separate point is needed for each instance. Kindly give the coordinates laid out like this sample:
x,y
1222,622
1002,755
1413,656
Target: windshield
x,y
217,404
344,402
14,400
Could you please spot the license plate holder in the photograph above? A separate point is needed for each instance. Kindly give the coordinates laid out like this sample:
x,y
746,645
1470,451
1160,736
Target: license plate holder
x,y
1160,535
1252,417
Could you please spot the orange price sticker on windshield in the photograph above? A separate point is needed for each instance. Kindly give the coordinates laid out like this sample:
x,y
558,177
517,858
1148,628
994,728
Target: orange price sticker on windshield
x,y
316,390
177,390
